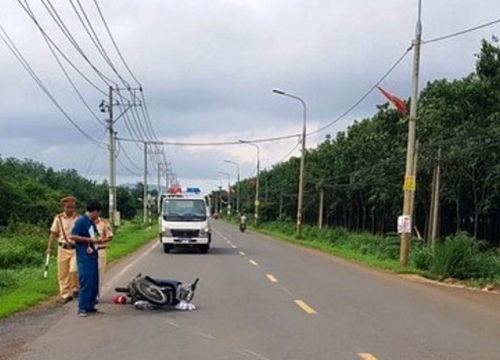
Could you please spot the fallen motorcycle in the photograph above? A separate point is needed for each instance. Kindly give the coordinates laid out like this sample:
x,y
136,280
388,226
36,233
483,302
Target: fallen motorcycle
x,y
143,289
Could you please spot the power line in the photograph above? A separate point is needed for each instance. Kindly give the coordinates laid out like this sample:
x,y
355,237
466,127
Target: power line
x,y
352,107
15,51
128,169
89,29
30,13
68,77
57,19
114,43
449,36
122,149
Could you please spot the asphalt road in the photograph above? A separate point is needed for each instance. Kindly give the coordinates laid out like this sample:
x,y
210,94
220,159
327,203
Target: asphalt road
x,y
260,298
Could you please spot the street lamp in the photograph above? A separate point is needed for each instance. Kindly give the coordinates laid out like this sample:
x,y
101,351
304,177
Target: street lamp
x,y
256,204
228,191
301,175
238,186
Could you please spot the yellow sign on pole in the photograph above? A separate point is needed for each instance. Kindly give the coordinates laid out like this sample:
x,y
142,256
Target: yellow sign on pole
x,y
410,183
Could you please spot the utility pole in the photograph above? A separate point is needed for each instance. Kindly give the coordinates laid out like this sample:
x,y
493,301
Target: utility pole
x,y
158,196
435,201
257,182
321,198
409,181
145,190
112,160
238,185
110,121
281,205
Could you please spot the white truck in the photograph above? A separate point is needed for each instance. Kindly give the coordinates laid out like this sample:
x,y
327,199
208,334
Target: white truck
x,y
185,220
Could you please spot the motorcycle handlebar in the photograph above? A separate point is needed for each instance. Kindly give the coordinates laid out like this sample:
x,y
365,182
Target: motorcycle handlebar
x,y
122,289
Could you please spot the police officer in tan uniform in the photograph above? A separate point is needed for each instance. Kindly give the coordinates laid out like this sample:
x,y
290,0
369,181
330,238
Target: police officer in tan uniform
x,y
105,235
60,231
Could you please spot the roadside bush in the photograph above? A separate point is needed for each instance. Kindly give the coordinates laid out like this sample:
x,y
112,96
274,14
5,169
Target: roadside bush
x,y
389,248
313,233
23,246
18,252
461,257
7,280
421,256
337,235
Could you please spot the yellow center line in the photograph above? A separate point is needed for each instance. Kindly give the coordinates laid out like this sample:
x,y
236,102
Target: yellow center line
x,y
367,356
253,262
242,253
272,278
305,307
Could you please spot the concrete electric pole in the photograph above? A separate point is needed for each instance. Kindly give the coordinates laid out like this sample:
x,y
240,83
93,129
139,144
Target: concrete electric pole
x,y
409,180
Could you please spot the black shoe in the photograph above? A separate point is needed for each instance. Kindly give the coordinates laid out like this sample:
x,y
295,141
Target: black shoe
x,y
75,294
67,299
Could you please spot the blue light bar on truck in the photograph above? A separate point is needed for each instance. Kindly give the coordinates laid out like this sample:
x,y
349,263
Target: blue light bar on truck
x,y
193,190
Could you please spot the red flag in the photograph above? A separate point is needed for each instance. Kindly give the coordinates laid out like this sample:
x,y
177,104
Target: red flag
x,y
395,100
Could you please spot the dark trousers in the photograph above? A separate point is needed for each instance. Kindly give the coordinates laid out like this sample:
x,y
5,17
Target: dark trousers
x,y
88,274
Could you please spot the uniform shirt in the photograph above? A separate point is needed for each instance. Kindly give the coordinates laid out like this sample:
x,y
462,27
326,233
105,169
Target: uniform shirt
x,y
67,225
104,228
86,228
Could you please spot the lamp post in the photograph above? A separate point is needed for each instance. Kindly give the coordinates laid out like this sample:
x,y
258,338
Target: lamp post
x,y
256,204
228,191
238,186
301,174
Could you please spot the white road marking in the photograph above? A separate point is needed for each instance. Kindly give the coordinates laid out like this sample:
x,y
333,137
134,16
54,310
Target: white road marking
x,y
257,355
272,278
367,356
305,307
171,323
253,262
242,253
205,335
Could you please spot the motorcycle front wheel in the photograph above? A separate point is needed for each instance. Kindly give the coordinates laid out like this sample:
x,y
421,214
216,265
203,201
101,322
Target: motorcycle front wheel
x,y
151,292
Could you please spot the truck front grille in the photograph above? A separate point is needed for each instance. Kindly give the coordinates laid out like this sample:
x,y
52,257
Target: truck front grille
x,y
185,233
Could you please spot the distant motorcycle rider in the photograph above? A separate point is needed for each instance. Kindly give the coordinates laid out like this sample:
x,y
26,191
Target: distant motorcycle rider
x,y
242,222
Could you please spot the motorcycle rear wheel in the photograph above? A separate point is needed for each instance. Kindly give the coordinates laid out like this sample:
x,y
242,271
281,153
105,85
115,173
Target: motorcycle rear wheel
x,y
151,292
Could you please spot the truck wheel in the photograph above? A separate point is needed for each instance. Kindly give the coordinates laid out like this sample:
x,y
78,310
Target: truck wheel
x,y
167,248
204,248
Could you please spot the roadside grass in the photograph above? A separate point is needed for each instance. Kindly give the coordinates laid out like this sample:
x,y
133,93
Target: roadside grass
x,y
457,259
343,251
22,286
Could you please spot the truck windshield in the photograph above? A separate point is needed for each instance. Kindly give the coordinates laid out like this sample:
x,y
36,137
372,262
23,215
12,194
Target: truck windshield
x,y
184,210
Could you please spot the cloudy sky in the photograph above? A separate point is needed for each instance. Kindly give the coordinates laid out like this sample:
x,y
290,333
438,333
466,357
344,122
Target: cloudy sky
x,y
207,69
